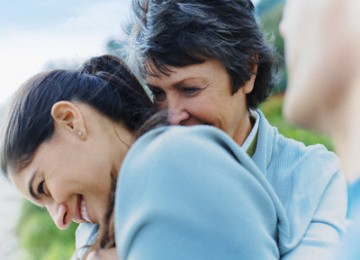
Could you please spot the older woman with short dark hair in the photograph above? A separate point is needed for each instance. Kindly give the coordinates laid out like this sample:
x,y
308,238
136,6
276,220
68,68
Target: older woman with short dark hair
x,y
207,62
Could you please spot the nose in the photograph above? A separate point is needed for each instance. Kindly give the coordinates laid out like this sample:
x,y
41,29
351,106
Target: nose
x,y
177,117
282,28
283,22
60,215
177,114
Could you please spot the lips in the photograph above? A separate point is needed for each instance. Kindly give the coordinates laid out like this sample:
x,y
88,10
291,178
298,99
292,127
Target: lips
x,y
81,213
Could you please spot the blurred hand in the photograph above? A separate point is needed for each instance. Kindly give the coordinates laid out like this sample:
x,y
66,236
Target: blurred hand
x,y
103,254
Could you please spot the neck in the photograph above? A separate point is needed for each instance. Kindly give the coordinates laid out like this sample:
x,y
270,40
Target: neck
x,y
243,131
124,139
346,133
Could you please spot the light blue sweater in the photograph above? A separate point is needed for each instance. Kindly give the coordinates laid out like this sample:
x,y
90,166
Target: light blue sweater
x,y
186,188
311,188
192,193
350,246
307,182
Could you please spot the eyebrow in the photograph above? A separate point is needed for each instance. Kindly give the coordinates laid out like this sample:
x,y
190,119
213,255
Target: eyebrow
x,y
179,83
30,185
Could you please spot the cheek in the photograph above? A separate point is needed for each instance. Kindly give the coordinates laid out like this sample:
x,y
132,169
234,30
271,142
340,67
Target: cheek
x,y
200,106
161,105
98,175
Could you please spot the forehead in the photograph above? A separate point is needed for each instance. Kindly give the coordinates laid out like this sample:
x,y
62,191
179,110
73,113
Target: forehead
x,y
22,178
323,11
206,69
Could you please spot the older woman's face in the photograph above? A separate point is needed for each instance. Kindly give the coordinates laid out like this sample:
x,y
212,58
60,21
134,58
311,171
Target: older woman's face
x,y
320,45
70,174
201,94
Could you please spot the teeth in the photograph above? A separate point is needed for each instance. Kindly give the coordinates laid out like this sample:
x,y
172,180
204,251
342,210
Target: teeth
x,y
84,212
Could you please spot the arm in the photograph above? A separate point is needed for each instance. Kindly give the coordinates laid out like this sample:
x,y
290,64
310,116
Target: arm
x,y
85,236
349,248
327,224
181,196
313,192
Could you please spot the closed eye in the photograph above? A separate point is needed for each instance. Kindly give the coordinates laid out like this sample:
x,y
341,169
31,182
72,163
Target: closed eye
x,y
40,188
157,94
190,91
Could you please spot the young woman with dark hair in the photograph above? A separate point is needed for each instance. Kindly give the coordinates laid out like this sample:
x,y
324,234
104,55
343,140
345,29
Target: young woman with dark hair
x,y
54,111
68,145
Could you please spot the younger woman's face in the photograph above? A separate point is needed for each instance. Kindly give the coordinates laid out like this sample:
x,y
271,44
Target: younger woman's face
x,y
321,43
70,175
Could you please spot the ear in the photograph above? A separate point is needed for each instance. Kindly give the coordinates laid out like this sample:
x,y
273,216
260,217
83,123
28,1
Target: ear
x,y
68,117
249,85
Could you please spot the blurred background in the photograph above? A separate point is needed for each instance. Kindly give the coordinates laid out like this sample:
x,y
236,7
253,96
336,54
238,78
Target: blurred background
x,y
39,35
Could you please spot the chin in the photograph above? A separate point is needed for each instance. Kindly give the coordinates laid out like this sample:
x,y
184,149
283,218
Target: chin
x,y
302,118
292,114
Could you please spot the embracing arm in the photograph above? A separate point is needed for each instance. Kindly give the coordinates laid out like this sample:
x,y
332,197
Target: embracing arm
x,y
85,236
185,196
323,234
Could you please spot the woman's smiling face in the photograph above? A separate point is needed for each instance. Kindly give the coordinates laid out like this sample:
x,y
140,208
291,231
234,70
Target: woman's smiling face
x,y
202,94
61,180
70,175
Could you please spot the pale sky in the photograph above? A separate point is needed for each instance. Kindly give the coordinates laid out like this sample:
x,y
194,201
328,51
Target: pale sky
x,y
37,32
34,33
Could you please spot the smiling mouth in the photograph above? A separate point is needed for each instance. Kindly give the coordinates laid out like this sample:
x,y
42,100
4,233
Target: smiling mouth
x,y
84,213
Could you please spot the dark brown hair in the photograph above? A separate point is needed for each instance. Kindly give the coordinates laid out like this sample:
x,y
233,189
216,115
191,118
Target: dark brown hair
x,y
105,83
180,33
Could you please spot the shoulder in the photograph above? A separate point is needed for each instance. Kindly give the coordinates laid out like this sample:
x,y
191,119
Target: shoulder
x,y
184,133
315,156
290,154
279,147
311,153
312,167
175,140
181,185
165,150
202,154
312,158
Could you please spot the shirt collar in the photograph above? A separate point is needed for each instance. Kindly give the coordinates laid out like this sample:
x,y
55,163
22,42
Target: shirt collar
x,y
250,142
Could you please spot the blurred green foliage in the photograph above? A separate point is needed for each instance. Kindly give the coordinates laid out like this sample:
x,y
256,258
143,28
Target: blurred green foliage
x,y
41,238
270,24
269,21
264,6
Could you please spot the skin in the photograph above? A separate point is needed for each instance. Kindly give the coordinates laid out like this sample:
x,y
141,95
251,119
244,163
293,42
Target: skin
x,y
322,57
201,94
72,167
106,254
